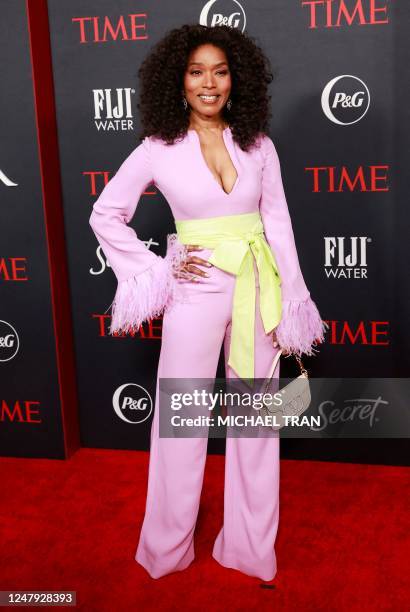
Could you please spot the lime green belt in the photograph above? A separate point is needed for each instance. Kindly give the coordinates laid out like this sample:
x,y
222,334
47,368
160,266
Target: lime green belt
x,y
234,239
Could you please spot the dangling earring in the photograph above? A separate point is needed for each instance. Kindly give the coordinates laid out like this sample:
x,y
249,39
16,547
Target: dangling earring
x,y
229,104
184,102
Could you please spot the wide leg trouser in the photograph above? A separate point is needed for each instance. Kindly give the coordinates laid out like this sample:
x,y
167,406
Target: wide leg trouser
x,y
194,328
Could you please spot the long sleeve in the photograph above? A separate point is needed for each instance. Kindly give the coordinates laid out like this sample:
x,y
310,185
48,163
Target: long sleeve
x,y
301,325
145,281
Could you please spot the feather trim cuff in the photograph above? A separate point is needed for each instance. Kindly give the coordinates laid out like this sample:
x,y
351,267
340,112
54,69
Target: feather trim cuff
x,y
301,327
145,296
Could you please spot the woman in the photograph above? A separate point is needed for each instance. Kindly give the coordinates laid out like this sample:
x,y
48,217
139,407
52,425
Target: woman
x,y
204,110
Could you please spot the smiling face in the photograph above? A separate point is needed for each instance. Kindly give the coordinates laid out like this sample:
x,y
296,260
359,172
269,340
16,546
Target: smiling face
x,y
207,81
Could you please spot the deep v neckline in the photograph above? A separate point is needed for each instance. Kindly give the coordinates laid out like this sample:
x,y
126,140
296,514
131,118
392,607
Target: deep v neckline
x,y
231,154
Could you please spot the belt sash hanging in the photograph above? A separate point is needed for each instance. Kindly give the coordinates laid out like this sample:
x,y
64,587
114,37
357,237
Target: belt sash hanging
x,y
236,240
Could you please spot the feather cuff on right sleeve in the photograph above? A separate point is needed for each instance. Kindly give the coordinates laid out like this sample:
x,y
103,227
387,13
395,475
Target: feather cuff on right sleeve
x,y
144,296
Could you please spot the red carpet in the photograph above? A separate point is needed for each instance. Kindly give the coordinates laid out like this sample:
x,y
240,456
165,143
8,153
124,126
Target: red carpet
x,y
343,540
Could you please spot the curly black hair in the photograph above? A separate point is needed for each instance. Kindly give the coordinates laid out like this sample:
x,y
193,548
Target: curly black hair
x,y
162,73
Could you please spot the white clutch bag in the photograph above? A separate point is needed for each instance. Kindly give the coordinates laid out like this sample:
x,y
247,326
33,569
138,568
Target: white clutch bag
x,y
296,396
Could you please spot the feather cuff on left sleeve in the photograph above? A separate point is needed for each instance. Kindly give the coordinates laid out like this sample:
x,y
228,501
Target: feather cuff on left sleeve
x,y
301,327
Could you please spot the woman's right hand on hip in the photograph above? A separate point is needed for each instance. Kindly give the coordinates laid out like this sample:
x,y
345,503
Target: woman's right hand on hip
x,y
188,270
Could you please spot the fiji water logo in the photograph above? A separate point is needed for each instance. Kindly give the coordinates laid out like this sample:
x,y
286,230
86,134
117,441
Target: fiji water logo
x,y
346,257
113,109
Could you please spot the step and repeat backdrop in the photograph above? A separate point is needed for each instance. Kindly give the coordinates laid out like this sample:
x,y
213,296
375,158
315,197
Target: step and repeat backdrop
x,y
333,123
337,126
38,405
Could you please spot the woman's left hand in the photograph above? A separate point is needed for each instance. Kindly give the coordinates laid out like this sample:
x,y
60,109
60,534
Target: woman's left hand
x,y
276,344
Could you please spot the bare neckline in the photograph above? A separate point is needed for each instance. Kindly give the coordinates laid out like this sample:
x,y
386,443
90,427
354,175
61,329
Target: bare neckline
x,y
227,145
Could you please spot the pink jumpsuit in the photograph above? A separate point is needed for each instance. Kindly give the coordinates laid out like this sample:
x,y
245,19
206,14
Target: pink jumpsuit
x,y
196,323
